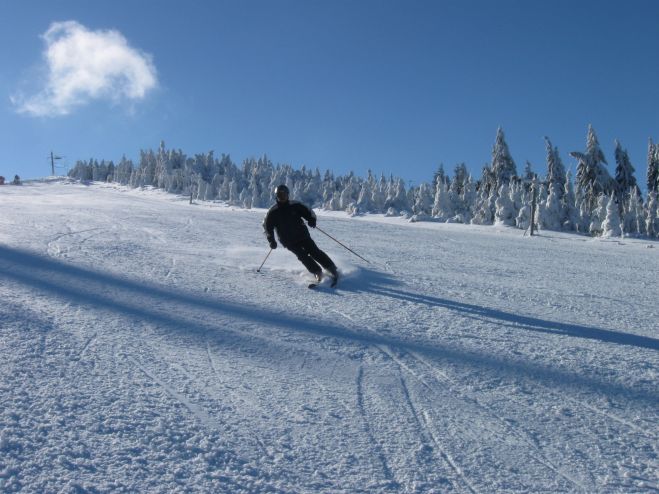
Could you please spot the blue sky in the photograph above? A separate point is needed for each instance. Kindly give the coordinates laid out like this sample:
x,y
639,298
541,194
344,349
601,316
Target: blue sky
x,y
397,87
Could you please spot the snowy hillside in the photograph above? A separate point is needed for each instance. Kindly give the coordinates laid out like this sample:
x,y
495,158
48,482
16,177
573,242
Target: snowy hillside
x,y
141,352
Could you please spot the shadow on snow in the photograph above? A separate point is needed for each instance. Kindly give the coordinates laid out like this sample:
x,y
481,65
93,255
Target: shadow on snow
x,y
160,305
376,282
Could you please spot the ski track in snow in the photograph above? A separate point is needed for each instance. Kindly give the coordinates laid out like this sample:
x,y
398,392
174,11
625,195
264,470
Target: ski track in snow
x,y
142,352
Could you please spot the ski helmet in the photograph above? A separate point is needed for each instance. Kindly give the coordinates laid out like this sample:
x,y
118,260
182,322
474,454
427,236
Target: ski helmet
x,y
281,192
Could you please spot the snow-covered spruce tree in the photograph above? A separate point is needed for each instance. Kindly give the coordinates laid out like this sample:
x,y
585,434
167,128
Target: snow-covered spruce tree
x,y
553,209
255,189
99,171
297,190
555,169
633,214
175,171
441,207
379,195
611,224
349,194
541,206
455,192
485,206
517,190
201,189
146,170
460,177
365,198
523,219
583,221
411,196
570,219
598,215
225,188
468,201
123,171
625,180
593,178
504,213
439,176
651,215
234,193
396,197
334,203
312,195
423,203
503,167
653,167
328,190
81,171
163,170
528,176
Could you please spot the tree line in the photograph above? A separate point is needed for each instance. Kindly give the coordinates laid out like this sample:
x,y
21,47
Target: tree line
x,y
594,202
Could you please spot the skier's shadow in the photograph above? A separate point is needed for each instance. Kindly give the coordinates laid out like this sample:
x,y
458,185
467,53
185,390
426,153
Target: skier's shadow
x,y
372,281
197,316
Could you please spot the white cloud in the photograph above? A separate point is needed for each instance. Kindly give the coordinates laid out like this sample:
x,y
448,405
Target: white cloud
x,y
84,65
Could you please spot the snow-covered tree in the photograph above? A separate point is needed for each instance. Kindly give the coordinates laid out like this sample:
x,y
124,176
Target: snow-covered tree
x,y
484,207
653,167
528,174
552,210
598,215
379,195
633,214
334,202
397,196
541,206
455,191
349,194
460,176
467,203
504,213
488,182
611,224
625,179
423,204
523,219
652,219
555,168
517,190
593,179
503,167
123,171
365,197
570,219
583,222
234,193
439,176
442,208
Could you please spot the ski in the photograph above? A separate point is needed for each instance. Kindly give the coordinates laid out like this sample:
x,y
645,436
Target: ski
x,y
333,282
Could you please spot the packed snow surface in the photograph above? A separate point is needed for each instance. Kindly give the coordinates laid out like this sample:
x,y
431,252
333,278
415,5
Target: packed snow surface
x,y
142,352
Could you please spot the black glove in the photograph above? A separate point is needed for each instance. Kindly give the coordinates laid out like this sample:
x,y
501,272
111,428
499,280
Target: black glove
x,y
312,222
273,244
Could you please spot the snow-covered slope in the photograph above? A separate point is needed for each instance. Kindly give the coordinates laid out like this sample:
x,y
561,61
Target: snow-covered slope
x,y
141,352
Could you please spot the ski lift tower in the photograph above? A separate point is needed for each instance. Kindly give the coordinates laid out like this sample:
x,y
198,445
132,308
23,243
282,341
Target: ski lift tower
x,y
52,162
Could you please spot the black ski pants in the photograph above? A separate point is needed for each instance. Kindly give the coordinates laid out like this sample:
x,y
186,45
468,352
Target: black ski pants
x,y
311,256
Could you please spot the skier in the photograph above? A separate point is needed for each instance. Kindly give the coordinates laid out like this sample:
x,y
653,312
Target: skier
x,y
286,217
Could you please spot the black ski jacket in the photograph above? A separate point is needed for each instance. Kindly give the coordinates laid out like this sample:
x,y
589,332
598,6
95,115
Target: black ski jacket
x,y
286,218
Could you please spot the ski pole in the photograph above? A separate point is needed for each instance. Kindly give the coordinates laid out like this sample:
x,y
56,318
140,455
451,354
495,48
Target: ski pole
x,y
266,258
347,248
